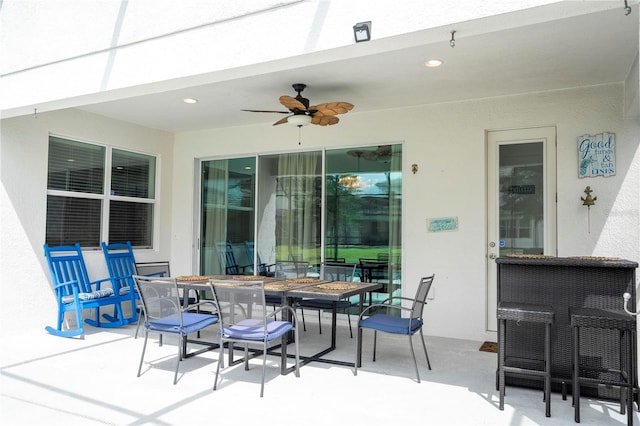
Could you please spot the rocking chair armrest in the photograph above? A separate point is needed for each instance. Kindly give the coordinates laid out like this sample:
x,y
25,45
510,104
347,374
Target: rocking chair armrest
x,y
73,283
101,280
244,268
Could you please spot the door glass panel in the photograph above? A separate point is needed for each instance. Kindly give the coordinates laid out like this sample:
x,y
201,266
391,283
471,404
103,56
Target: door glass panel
x,y
363,213
289,229
521,205
227,217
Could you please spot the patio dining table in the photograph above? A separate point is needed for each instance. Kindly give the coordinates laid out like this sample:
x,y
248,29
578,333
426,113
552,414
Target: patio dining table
x,y
289,290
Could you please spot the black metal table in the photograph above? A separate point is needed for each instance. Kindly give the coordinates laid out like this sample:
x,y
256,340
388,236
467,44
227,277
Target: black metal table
x,y
563,283
333,291
288,291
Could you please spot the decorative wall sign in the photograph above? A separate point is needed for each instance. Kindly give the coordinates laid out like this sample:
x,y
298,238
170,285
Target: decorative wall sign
x,y
442,224
522,189
597,155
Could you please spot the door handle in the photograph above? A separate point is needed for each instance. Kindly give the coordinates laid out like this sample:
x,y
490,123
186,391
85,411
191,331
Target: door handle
x,y
492,256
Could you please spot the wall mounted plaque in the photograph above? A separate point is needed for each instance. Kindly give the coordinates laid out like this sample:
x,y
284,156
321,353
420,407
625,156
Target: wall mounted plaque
x,y
597,155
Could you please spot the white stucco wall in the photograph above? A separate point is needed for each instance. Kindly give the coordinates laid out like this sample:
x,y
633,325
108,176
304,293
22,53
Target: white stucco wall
x,y
23,200
448,144
446,141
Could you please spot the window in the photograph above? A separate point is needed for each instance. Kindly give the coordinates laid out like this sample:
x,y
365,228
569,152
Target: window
x,y
81,209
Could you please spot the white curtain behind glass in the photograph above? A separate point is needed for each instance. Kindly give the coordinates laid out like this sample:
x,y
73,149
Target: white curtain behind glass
x,y
297,207
214,192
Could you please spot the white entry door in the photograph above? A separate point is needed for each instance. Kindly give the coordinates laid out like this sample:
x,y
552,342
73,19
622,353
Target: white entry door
x,y
521,204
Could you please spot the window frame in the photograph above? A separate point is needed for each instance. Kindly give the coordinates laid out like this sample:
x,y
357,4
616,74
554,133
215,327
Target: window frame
x,y
106,197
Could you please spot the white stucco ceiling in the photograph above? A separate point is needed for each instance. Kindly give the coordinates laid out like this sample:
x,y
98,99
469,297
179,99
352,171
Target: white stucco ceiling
x,y
523,52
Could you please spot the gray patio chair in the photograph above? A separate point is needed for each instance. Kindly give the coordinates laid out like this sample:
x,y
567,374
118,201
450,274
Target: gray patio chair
x,y
331,272
164,313
244,319
395,324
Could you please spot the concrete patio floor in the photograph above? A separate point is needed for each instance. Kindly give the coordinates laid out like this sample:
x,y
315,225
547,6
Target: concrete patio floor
x,y
49,380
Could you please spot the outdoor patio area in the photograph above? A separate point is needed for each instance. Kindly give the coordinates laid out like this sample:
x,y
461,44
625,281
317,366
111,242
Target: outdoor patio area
x,y
52,380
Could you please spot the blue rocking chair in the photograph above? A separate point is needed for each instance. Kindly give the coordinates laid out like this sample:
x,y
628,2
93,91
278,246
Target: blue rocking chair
x,y
75,292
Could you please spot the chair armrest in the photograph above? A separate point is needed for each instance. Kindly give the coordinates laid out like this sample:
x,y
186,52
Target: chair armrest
x,y
282,308
227,307
389,299
204,302
100,281
381,305
73,283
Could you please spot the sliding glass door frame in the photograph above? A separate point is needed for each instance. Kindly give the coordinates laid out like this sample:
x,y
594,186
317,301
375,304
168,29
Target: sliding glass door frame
x,y
258,208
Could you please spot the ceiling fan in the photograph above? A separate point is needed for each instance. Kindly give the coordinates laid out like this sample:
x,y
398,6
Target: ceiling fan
x,y
383,152
301,114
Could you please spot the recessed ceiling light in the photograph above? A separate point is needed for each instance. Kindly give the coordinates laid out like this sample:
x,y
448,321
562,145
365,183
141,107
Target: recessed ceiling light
x,y
190,101
432,63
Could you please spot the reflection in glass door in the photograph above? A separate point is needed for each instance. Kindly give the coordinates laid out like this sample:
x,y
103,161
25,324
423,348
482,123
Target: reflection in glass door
x,y
521,218
521,207
290,205
359,219
227,216
363,213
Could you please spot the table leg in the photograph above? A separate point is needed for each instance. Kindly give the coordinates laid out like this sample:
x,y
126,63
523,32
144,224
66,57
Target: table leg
x,y
334,320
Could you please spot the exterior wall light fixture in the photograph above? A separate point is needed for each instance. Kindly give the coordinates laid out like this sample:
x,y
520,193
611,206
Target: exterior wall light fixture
x,y
362,31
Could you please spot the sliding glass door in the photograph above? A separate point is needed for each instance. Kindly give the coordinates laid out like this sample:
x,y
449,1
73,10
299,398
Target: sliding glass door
x,y
347,208
290,201
227,216
363,212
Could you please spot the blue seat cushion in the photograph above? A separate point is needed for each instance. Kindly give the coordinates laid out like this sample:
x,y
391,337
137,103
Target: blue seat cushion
x,y
252,329
391,324
191,322
98,294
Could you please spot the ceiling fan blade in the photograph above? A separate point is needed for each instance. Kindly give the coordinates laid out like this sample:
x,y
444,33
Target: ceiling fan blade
x,y
324,120
262,110
281,121
332,108
292,103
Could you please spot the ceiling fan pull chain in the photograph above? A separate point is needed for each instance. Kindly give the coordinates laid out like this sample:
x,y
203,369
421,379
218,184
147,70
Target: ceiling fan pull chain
x,y
299,135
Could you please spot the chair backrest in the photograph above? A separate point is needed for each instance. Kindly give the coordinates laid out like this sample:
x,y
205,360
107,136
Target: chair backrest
x,y
240,300
153,269
160,297
421,297
66,263
291,269
374,269
251,253
121,262
227,258
337,271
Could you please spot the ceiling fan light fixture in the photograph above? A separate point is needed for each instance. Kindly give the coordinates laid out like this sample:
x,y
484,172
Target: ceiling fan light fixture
x,y
299,120
362,31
